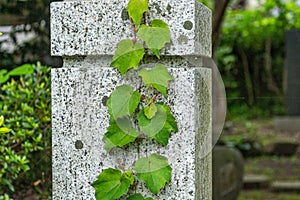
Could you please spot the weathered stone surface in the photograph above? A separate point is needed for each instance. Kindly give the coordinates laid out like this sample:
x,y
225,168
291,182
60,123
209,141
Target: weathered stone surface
x,y
256,182
95,27
86,34
293,72
80,119
287,123
228,169
286,186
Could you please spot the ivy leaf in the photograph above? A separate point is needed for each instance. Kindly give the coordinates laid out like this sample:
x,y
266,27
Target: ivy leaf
x,y
155,171
112,184
138,197
160,126
150,111
127,56
157,78
123,101
119,133
136,9
155,36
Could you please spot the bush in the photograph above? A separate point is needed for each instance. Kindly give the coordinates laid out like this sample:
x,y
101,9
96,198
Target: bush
x,y
25,160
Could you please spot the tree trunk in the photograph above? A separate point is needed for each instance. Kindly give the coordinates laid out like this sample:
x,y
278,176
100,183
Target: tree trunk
x,y
247,76
268,68
218,16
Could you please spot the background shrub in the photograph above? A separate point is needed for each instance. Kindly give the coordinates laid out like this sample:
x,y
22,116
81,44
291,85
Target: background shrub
x,y
25,154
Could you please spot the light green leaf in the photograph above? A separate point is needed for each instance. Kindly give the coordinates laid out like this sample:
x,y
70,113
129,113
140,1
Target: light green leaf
x,y
1,120
119,133
155,171
155,36
136,9
4,130
160,126
138,197
112,184
23,69
157,78
127,56
150,111
3,76
123,101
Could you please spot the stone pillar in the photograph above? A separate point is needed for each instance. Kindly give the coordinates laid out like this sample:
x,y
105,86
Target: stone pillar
x,y
85,34
291,122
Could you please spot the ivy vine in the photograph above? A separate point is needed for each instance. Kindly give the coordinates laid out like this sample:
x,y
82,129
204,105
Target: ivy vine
x,y
135,114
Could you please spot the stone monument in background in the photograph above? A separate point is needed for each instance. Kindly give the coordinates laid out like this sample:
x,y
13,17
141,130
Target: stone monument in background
x,y
291,122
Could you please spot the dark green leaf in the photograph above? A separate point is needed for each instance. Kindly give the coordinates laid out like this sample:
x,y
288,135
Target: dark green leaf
x,y
160,126
112,184
136,9
155,36
157,77
138,197
119,133
123,101
127,56
155,171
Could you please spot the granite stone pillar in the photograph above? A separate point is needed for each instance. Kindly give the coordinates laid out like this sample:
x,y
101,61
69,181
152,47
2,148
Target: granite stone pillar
x,y
85,34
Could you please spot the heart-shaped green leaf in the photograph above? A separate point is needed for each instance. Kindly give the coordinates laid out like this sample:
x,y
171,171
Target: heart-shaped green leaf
x,y
127,56
112,184
157,78
155,36
136,9
119,133
160,126
155,171
123,101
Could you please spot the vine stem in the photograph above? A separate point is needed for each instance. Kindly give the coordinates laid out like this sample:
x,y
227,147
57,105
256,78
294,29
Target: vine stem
x,y
134,30
145,17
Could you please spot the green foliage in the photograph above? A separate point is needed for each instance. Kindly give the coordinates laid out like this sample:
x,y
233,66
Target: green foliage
x,y
160,126
112,184
157,77
155,171
21,70
150,111
127,56
136,9
251,58
127,115
25,103
119,133
3,130
123,101
155,36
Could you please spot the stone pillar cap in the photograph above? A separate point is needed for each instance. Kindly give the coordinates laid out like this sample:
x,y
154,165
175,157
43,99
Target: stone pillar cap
x,y
81,28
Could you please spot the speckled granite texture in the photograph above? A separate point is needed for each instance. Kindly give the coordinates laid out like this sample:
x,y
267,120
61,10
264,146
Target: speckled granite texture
x,y
86,33
80,119
95,27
